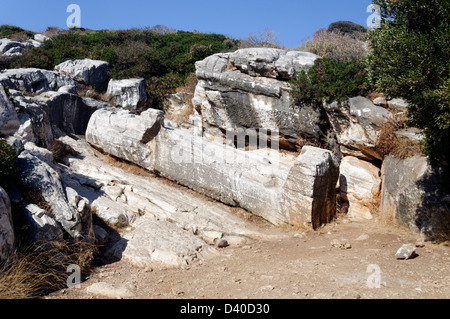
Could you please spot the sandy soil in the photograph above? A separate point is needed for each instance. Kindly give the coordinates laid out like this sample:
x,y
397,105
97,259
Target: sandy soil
x,y
304,265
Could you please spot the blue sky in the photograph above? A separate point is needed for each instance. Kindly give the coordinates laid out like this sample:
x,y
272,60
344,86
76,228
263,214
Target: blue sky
x,y
292,20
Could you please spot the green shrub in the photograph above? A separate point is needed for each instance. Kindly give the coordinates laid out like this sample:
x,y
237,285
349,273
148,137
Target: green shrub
x,y
7,167
346,27
330,80
410,58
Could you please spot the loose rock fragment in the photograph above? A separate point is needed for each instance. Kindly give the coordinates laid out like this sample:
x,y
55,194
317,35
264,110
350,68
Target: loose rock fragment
x,y
407,251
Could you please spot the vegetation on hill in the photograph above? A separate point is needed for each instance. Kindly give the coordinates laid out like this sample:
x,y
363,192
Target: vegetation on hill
x,y
10,31
164,59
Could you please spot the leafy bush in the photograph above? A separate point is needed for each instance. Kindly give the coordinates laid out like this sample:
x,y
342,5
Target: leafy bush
x,y
330,80
7,167
336,45
410,58
346,27
164,59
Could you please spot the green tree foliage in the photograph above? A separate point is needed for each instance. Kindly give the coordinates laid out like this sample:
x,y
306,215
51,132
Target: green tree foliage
x,y
330,80
163,59
410,58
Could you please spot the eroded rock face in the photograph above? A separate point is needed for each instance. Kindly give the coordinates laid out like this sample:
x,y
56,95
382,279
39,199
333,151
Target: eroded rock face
x,y
360,184
129,93
33,80
7,237
309,194
36,173
357,123
94,73
9,121
125,135
41,224
12,48
254,180
248,88
415,194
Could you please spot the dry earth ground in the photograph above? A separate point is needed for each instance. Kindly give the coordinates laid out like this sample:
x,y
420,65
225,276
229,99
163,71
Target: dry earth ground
x,y
303,265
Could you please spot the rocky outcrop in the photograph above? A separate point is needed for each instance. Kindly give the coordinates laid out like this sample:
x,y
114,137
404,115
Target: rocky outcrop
x,y
129,93
39,175
89,72
41,225
9,121
357,124
415,194
253,180
33,80
12,48
248,88
125,135
7,236
69,112
309,193
359,185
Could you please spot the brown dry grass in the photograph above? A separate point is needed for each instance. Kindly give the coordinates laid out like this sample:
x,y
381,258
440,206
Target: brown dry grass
x,y
388,142
88,91
61,150
42,268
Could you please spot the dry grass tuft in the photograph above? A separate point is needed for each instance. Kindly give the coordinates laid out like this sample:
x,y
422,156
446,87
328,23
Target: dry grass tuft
x,y
388,142
88,91
42,268
61,150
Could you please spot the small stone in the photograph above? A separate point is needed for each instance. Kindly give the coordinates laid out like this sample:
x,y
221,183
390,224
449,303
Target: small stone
x,y
407,251
222,243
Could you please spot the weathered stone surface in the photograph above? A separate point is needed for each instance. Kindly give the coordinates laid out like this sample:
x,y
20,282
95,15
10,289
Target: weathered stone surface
x,y
407,251
7,236
357,123
41,224
380,101
68,112
129,93
265,62
253,180
414,193
309,194
159,243
34,121
12,48
399,104
125,135
359,184
9,122
248,88
94,73
33,80
35,173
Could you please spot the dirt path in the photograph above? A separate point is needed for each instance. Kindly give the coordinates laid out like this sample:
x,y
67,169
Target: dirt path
x,y
302,266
